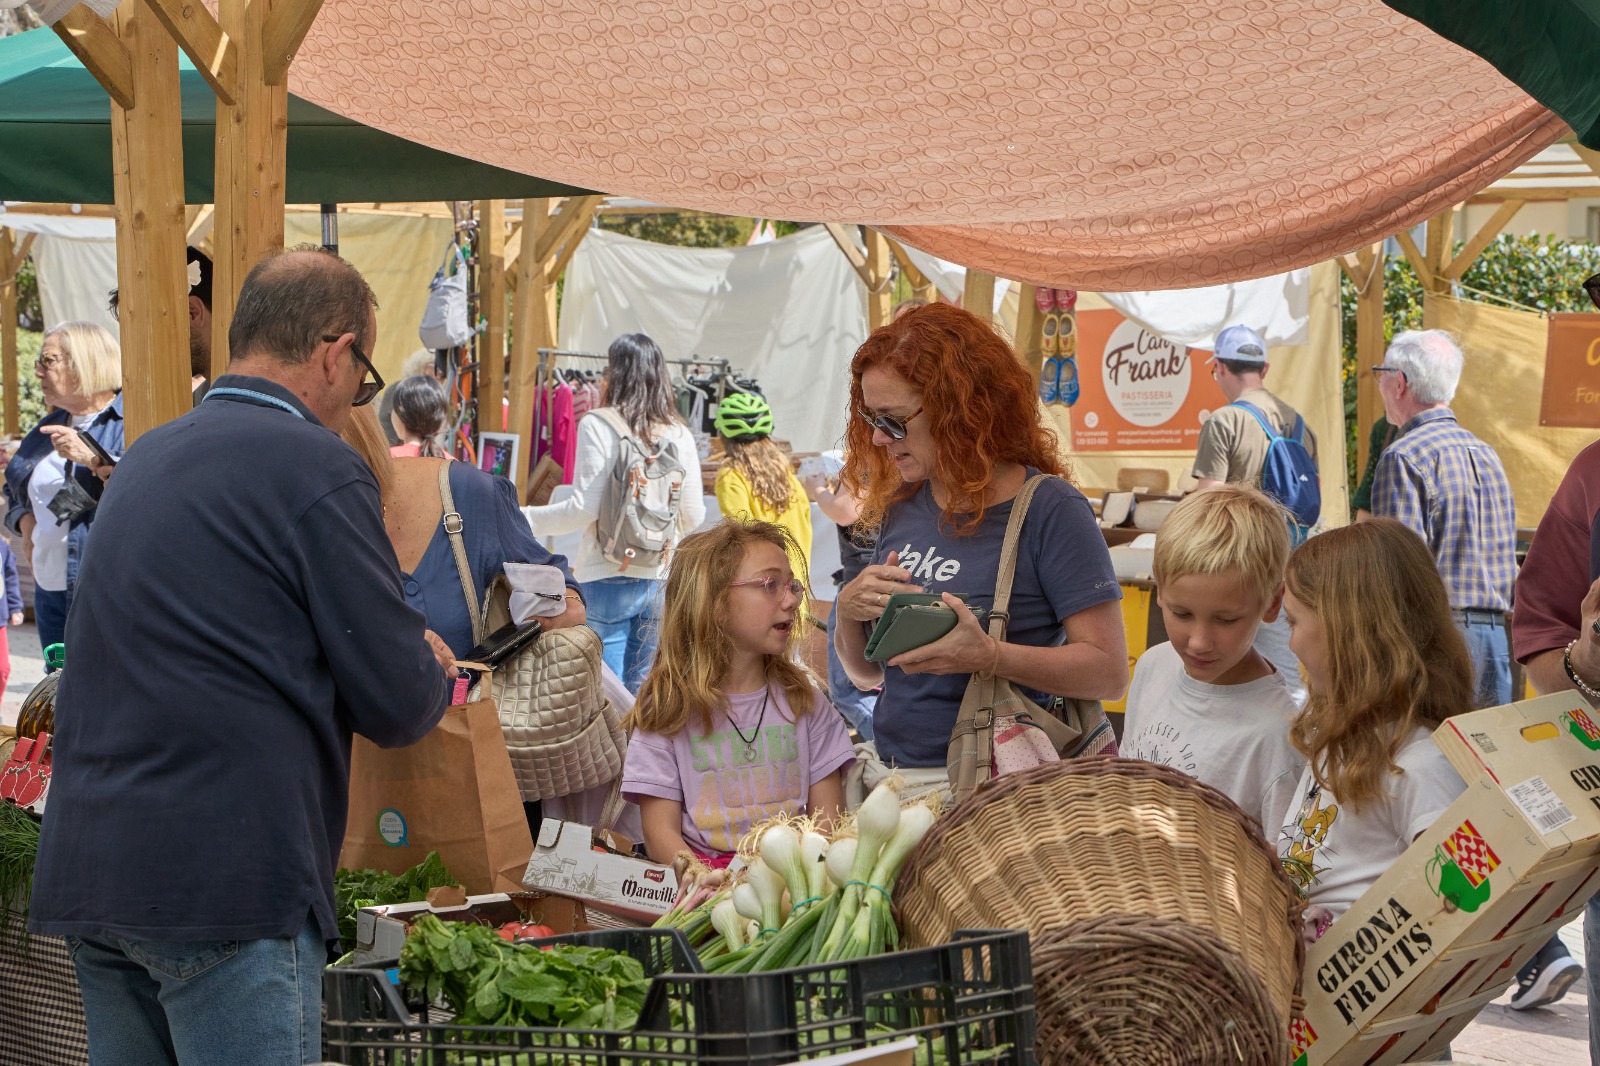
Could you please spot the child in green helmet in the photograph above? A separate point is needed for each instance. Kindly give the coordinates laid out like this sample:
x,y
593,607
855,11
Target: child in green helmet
x,y
756,481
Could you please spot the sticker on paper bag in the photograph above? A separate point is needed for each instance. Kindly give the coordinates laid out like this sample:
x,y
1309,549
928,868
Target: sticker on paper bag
x,y
392,827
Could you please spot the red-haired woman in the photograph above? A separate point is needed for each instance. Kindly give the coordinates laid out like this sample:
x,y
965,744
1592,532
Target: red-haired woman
x,y
945,433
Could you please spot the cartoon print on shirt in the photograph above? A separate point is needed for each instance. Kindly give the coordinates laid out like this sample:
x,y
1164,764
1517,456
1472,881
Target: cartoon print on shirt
x,y
759,788
929,565
1310,828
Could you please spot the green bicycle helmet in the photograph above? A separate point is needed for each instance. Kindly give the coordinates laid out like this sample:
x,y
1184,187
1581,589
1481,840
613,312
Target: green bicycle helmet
x,y
744,415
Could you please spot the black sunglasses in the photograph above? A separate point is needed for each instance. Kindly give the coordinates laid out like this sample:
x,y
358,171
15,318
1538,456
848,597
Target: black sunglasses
x,y
367,389
894,427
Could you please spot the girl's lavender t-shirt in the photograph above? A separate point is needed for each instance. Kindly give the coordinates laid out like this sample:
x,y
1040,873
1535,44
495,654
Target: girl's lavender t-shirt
x,y
724,792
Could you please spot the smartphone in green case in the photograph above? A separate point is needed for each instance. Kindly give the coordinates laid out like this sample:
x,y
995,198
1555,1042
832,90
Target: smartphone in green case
x,y
911,620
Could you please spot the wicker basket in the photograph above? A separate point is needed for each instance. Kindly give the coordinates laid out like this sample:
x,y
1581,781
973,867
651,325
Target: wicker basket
x,y
1131,990
1051,847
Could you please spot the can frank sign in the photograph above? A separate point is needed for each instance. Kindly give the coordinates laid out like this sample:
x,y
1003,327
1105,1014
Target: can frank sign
x,y
1140,391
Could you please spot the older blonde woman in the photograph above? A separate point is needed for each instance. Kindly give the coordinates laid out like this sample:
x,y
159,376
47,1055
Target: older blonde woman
x,y
54,481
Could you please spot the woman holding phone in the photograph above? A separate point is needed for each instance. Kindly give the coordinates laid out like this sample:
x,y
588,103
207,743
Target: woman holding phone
x,y
54,481
945,430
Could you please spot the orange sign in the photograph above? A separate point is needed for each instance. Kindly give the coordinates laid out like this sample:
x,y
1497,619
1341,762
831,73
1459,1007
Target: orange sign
x,y
1138,390
1572,372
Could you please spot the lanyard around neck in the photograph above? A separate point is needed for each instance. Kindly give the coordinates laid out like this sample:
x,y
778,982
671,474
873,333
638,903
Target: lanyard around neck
x,y
254,395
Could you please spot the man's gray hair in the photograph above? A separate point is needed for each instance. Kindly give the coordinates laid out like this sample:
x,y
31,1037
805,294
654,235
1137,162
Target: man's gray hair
x,y
1431,362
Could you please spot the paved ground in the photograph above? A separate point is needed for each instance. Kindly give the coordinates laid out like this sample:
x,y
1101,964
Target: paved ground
x,y
1500,1036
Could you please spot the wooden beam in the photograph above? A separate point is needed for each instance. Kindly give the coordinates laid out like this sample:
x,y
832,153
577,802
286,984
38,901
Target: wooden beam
x,y
1415,258
251,168
62,210
533,326
201,221
286,31
1349,269
10,261
563,257
575,214
880,280
1441,240
977,294
1370,345
95,44
492,287
1030,334
513,249
213,52
147,168
858,261
1480,240
918,280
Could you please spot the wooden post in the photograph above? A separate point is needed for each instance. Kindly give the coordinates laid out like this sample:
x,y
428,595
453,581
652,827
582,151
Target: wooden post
x,y
251,158
977,294
880,283
921,287
1367,275
533,323
492,284
11,257
1441,243
147,160
1029,341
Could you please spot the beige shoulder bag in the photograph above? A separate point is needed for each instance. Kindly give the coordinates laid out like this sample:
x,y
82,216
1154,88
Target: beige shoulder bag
x,y
999,730
562,733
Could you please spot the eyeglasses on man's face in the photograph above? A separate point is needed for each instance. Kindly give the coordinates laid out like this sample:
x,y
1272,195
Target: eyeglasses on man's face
x,y
367,389
772,586
892,426
1379,371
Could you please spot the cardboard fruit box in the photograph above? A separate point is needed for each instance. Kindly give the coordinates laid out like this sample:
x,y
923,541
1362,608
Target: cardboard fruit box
x,y
381,931
571,859
1444,931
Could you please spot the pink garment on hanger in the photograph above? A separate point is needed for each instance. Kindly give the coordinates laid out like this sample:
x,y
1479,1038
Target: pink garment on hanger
x,y
563,432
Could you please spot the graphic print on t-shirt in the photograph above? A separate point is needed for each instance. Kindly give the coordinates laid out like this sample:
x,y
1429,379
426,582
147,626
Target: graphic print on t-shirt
x,y
1309,831
1163,743
757,776
927,565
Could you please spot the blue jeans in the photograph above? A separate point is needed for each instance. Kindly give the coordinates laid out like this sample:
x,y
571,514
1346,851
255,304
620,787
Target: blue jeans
x,y
50,615
856,706
202,1002
1491,659
1591,964
624,611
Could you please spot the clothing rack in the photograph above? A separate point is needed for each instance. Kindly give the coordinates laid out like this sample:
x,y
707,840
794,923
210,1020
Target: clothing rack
x,y
545,372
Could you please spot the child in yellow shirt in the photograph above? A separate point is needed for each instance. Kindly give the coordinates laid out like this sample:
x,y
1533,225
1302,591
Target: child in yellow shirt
x,y
756,482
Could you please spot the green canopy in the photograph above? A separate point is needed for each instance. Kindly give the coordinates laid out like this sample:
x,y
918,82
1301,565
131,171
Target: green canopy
x,y
55,143
1551,49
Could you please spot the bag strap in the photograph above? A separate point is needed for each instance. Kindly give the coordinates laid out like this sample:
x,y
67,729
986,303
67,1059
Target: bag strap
x,y
1006,575
1272,434
458,548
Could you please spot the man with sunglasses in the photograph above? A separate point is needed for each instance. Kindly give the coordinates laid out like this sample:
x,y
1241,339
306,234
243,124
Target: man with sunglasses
x,y
242,617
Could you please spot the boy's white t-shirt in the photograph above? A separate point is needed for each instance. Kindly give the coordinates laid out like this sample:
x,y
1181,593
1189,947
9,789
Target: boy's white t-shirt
x,y
1349,849
1235,738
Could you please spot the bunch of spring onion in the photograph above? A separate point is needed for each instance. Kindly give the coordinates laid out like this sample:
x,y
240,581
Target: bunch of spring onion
x,y
698,887
837,892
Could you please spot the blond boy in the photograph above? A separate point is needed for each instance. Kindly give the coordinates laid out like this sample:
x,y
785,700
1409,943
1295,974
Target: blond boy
x,y
1206,702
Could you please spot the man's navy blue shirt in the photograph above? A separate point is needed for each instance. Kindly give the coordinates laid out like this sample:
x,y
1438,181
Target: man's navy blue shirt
x,y
238,616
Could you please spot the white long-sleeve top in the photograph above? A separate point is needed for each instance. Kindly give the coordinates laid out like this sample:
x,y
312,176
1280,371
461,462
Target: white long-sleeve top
x,y
597,454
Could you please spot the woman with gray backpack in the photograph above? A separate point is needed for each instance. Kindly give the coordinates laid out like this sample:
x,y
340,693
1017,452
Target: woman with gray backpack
x,y
636,493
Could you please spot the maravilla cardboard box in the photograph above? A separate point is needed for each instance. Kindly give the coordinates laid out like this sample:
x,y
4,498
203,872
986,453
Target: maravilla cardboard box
x,y
1443,932
569,860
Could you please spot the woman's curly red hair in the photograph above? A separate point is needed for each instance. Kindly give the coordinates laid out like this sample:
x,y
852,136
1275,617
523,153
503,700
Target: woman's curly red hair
x,y
980,403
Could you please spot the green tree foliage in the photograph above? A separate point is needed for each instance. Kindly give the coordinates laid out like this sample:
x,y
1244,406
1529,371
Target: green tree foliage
x,y
1534,272
691,231
30,401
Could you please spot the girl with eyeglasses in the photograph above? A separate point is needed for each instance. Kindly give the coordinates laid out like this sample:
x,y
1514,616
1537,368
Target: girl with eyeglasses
x,y
947,429
729,729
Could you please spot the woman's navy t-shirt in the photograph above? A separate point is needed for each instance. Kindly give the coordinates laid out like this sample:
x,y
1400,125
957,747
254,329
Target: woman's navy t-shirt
x,y
1063,567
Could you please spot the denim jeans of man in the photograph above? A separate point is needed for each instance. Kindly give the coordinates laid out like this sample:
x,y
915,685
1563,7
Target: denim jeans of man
x,y
202,1002
854,704
624,612
50,615
1491,659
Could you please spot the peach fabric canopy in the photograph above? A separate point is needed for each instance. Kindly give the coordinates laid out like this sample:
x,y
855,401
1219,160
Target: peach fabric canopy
x,y
1098,144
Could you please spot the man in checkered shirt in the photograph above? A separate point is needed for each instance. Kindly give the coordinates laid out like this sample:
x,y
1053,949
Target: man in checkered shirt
x,y
1450,488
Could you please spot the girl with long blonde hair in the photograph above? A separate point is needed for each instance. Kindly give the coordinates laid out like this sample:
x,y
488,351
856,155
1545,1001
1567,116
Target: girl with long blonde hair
x,y
729,728
755,480
1384,665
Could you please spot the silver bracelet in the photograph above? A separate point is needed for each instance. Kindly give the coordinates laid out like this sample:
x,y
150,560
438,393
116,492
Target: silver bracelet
x,y
1572,675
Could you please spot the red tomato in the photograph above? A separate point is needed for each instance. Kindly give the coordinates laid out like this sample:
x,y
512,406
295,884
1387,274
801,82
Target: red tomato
x,y
510,931
537,931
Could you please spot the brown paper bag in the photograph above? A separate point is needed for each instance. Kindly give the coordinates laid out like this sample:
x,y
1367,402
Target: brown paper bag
x,y
453,792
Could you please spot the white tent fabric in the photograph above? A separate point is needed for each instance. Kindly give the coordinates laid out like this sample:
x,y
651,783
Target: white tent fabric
x,y
75,278
1278,307
790,313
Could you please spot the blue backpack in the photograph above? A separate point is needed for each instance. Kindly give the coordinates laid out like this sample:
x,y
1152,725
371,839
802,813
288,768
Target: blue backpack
x,y
1290,474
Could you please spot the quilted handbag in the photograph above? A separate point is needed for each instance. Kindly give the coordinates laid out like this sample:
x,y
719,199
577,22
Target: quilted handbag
x,y
562,733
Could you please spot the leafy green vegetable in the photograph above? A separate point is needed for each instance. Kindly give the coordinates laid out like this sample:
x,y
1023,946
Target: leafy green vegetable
x,y
19,847
488,981
355,889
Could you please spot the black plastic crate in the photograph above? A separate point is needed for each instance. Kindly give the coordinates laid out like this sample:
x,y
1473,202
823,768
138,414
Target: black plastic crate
x,y
969,1000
